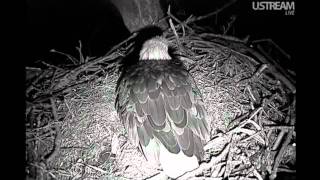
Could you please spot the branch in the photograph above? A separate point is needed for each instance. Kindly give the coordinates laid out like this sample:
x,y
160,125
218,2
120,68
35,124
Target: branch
x,y
273,70
283,149
213,13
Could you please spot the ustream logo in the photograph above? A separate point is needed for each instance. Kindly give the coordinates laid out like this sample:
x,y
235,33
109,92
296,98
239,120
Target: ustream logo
x,y
287,6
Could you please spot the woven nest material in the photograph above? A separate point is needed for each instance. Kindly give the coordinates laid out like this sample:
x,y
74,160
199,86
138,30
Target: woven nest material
x,y
73,131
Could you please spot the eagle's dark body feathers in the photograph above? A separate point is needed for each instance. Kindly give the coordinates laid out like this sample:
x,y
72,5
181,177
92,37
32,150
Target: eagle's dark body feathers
x,y
157,100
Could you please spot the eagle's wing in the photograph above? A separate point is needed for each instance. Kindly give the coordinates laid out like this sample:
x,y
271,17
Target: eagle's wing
x,y
160,100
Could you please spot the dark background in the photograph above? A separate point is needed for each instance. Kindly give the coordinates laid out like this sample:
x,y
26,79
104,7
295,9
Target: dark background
x,y
60,24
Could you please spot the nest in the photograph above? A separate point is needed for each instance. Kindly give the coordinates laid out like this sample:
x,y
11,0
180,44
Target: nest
x,y
73,131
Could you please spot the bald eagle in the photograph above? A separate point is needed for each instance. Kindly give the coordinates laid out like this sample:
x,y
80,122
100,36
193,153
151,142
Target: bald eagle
x,y
162,110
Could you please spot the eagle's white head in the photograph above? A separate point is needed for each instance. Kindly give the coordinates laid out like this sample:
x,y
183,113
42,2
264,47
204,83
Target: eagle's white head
x,y
155,49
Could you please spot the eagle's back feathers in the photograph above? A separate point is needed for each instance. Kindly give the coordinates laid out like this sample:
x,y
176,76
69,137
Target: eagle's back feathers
x,y
158,100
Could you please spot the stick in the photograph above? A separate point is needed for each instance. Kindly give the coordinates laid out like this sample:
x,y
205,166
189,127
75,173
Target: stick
x,y
273,68
275,44
82,60
283,149
176,19
212,13
260,70
56,146
281,134
238,120
71,58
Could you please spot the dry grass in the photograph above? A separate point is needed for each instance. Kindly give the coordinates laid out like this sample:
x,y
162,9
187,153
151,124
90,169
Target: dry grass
x,y
73,131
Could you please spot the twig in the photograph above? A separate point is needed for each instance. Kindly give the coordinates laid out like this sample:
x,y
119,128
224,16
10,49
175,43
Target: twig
x,y
238,120
279,138
279,156
242,124
229,25
286,170
268,128
133,35
248,88
74,73
252,79
33,83
241,47
283,149
56,146
43,127
42,167
55,93
213,13
283,132
82,60
53,77
255,112
54,110
28,68
218,169
162,19
257,174
230,154
224,37
252,135
275,44
32,72
94,167
276,70
216,139
186,60
156,176
175,33
260,70
278,127
71,58
183,24
48,134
